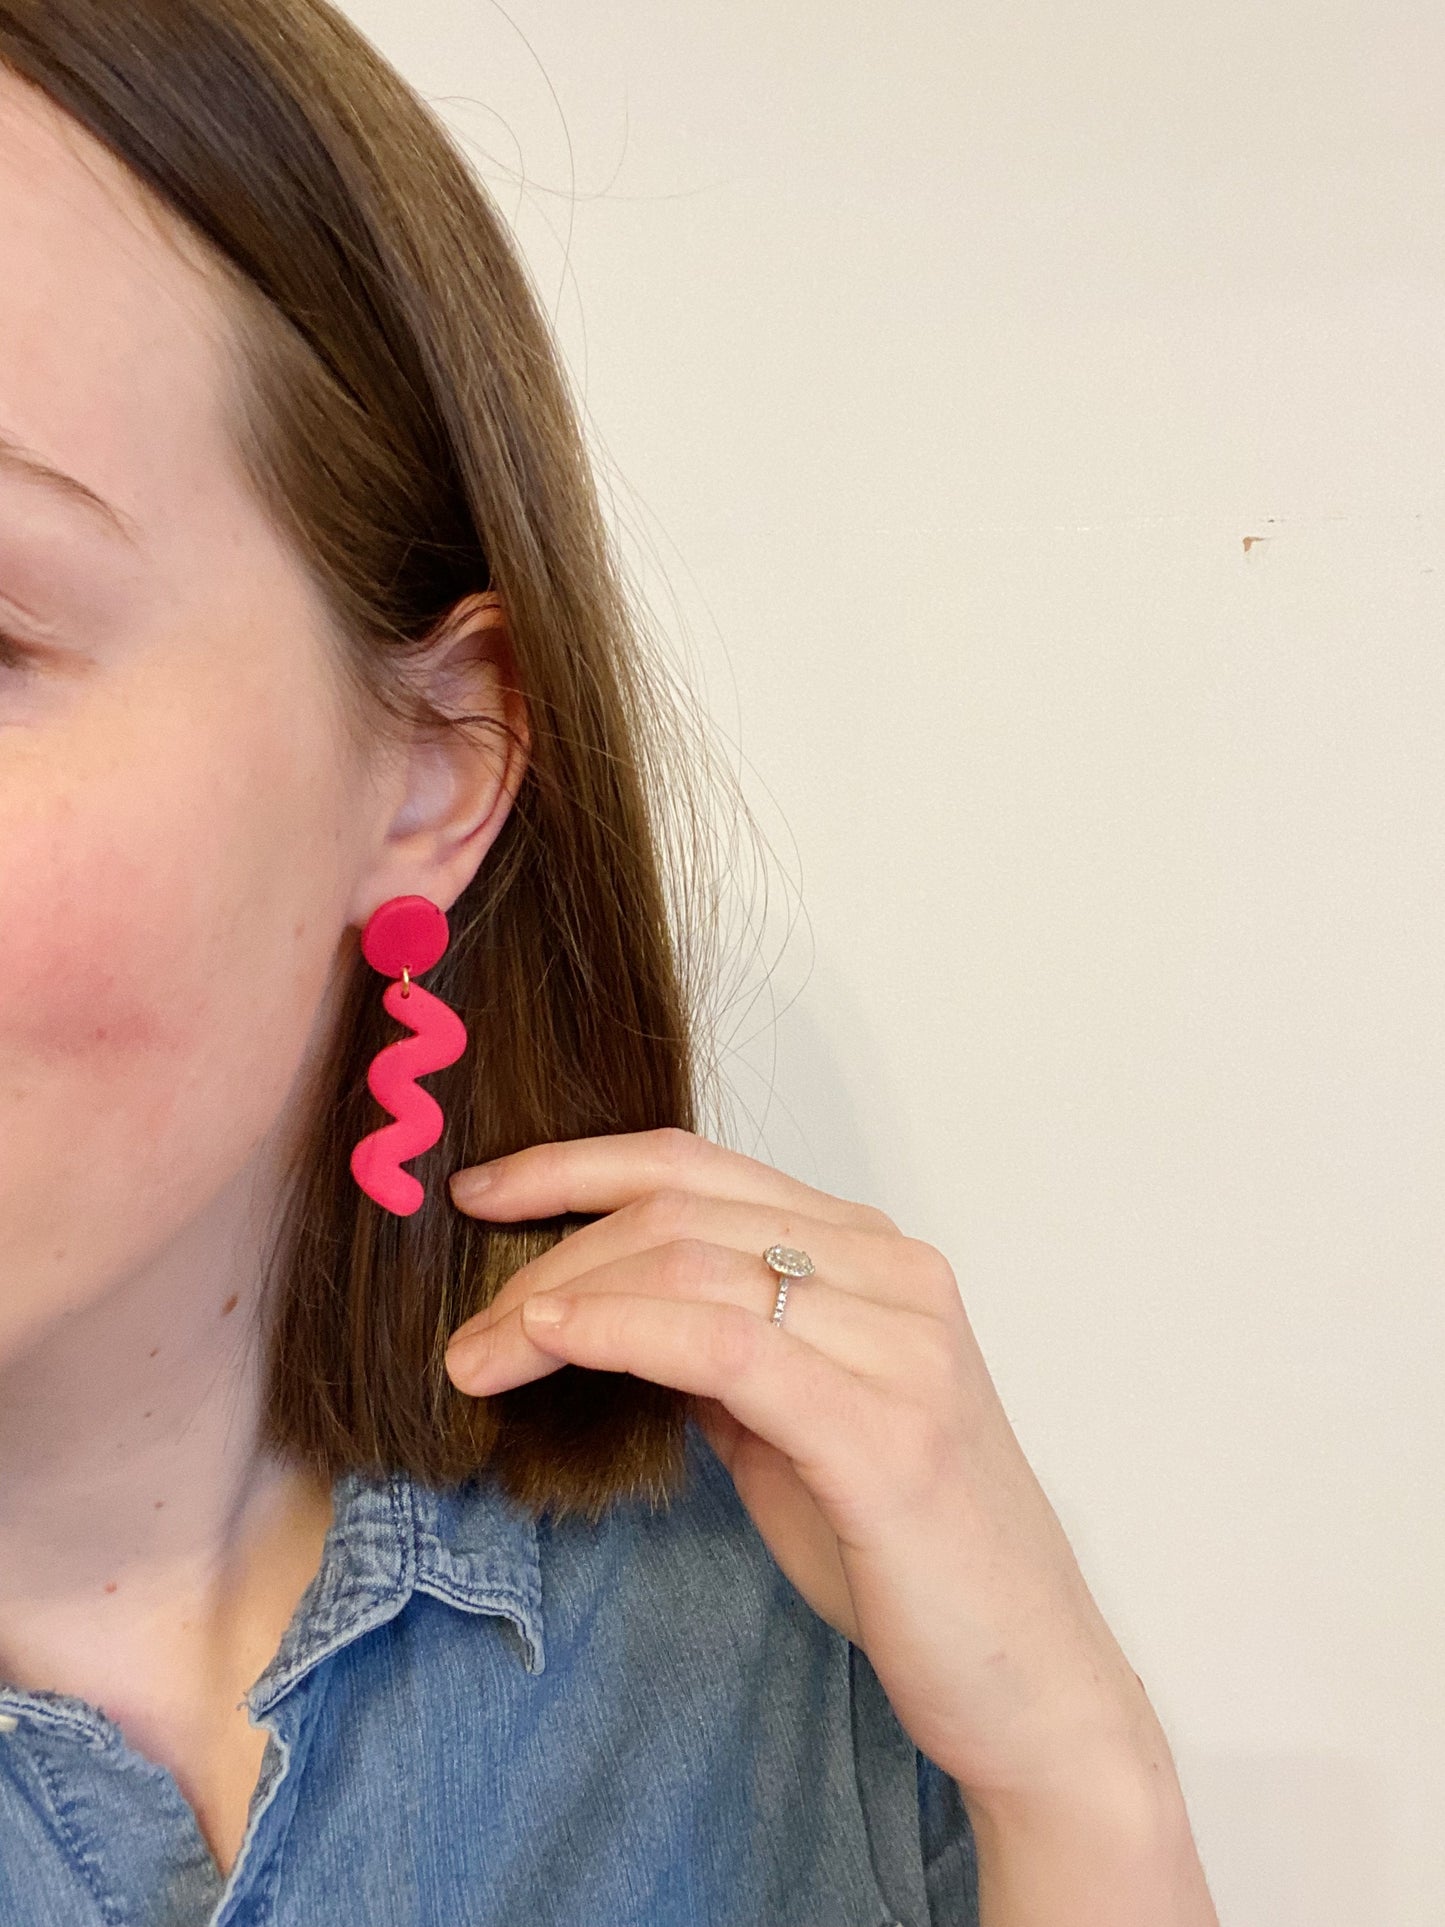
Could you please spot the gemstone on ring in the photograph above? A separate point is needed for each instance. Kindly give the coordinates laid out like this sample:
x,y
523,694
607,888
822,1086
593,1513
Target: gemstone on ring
x,y
787,1262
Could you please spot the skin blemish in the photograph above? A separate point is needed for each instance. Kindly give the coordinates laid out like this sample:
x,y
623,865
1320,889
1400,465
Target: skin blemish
x,y
154,1349
230,1304
110,1586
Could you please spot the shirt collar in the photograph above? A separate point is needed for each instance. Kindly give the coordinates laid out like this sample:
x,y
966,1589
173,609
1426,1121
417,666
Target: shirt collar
x,y
391,1535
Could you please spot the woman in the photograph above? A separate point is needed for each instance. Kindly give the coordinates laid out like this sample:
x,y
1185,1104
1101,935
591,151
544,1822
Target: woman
x,y
338,1584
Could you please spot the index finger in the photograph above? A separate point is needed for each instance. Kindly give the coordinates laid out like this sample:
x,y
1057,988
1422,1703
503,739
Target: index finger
x,y
603,1173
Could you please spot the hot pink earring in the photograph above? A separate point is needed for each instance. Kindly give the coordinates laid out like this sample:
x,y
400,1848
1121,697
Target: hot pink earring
x,y
403,937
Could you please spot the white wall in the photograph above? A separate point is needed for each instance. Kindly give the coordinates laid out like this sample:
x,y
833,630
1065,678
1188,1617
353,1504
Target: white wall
x,y
1033,421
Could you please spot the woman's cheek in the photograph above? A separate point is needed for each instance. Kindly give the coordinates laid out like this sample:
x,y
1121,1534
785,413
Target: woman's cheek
x,y
94,1044
138,1077
88,977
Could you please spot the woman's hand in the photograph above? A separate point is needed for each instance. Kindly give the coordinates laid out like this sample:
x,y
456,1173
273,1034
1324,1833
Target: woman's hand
x,y
864,1434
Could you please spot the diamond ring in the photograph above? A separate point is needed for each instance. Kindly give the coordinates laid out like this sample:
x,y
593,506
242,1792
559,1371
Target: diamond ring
x,y
788,1263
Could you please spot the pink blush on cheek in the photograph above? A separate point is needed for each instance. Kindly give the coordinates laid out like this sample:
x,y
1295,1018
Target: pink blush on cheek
x,y
90,1075
84,987
82,1018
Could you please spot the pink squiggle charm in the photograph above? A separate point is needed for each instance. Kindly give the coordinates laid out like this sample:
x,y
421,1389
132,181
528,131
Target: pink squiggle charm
x,y
403,937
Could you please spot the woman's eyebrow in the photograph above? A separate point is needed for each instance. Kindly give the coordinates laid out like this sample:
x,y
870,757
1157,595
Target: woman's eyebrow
x,y
22,461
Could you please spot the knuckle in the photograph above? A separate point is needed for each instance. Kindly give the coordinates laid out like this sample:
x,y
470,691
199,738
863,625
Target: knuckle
x,y
685,1264
732,1341
540,1164
665,1213
871,1218
935,1370
675,1146
931,1268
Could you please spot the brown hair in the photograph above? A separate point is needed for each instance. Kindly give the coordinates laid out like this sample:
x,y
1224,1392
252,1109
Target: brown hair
x,y
403,412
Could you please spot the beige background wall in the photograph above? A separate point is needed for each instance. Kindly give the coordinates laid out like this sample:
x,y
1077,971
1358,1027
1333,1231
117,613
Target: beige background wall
x,y
1032,422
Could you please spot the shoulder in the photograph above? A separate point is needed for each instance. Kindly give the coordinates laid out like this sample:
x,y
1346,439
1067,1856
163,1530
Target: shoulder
x,y
668,1586
684,1610
699,1557
681,1698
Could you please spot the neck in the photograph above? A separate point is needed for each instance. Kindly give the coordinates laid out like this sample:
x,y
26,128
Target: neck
x,y
137,1512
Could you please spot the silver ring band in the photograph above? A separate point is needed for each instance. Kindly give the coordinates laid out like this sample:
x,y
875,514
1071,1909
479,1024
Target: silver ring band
x,y
788,1263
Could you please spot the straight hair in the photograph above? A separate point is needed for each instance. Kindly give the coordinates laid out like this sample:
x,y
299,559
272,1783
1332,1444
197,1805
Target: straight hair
x,y
402,410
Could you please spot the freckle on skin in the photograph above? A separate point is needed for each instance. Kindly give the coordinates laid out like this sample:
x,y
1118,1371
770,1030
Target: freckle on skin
x,y
111,1586
159,1504
145,1414
154,1350
230,1304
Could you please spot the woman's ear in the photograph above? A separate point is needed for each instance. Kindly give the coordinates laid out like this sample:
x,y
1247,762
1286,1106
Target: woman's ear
x,y
449,796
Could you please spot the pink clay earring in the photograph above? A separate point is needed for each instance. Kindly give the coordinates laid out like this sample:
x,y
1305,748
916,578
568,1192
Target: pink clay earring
x,y
403,937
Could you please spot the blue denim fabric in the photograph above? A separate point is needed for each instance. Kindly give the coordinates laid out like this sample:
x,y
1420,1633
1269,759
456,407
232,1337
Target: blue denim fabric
x,y
478,1721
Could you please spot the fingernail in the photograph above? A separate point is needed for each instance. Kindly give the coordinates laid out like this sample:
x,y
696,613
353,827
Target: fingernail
x,y
466,1356
470,1181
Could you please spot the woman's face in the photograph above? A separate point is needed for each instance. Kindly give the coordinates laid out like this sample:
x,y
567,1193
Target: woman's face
x,y
183,831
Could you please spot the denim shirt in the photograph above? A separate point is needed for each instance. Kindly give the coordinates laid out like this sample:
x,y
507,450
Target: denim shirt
x,y
479,1720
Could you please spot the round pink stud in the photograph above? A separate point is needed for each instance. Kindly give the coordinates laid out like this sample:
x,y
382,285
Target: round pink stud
x,y
409,932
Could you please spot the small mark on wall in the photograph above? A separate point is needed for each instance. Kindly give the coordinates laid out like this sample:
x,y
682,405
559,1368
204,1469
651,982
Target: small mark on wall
x,y
1250,540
